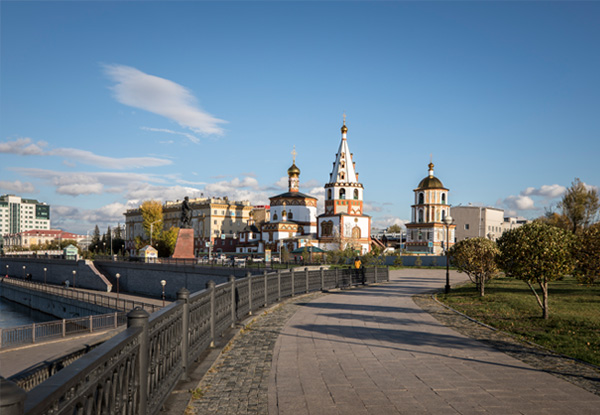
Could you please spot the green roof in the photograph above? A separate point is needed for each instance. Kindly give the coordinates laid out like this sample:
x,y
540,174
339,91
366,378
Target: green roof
x,y
430,182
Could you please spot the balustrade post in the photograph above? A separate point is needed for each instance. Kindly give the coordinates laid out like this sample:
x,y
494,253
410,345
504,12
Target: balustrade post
x,y
139,318
91,324
293,282
211,286
64,328
278,285
375,275
33,333
116,319
266,289
336,278
249,278
322,278
183,295
12,398
306,275
233,301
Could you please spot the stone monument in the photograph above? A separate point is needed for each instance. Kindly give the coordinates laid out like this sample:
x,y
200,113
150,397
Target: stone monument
x,y
184,247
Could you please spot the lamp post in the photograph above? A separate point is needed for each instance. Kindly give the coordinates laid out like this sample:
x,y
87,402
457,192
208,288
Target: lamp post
x,y
45,269
448,222
118,276
163,283
74,278
104,248
151,229
7,271
24,271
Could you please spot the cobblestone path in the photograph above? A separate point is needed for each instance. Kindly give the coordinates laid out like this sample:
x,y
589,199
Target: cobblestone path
x,y
238,381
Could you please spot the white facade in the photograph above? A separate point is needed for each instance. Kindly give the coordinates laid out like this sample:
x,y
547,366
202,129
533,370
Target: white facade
x,y
478,221
20,215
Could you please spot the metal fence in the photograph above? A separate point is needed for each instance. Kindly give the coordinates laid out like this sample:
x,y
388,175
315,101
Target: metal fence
x,y
39,332
135,371
107,301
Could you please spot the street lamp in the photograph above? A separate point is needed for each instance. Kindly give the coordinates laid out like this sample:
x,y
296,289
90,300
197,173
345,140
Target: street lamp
x,y
104,248
151,229
118,276
45,269
7,271
448,222
74,276
24,271
163,283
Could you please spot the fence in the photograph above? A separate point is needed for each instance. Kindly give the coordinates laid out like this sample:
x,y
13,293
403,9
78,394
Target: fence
x,y
135,371
85,296
39,332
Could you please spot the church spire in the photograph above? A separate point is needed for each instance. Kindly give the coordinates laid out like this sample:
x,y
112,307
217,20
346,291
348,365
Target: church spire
x,y
294,174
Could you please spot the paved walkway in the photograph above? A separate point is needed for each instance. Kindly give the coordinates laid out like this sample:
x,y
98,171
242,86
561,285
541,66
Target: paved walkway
x,y
374,351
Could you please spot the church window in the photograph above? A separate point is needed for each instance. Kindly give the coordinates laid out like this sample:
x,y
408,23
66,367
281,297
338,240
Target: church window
x,y
329,194
343,165
420,216
342,176
355,194
342,193
421,199
443,214
327,228
290,215
444,198
274,216
356,232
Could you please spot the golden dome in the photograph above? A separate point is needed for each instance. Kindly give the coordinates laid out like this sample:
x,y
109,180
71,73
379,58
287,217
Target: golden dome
x,y
293,170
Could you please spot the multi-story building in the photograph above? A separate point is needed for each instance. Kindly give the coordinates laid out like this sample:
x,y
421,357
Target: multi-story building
x,y
482,221
426,232
211,218
18,214
24,240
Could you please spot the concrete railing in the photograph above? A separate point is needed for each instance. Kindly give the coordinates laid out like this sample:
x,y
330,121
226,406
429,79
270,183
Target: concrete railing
x,y
135,371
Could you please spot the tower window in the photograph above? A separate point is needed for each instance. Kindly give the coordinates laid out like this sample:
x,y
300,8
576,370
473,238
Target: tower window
x,y
443,197
290,215
421,199
420,215
342,193
329,194
355,194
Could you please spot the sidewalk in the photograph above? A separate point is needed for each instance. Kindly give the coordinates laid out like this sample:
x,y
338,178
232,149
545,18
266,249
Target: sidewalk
x,y
374,351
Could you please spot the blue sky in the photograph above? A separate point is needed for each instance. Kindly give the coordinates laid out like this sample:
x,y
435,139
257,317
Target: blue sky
x,y
106,104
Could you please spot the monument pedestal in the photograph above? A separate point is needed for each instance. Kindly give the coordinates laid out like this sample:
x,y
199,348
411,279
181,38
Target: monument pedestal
x,y
184,247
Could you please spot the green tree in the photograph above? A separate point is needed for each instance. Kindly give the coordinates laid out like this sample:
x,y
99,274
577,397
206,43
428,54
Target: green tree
x,y
398,262
152,219
580,205
537,253
285,254
418,262
477,258
587,255
166,243
394,229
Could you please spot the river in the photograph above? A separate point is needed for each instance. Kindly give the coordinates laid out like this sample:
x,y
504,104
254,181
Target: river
x,y
13,314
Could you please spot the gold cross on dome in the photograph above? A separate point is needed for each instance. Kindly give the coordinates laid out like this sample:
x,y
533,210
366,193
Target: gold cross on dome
x,y
294,155
344,117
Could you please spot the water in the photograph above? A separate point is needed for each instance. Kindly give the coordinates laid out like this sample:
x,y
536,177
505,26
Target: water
x,y
13,314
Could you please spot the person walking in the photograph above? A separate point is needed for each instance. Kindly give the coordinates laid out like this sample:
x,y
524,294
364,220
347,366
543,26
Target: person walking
x,y
357,270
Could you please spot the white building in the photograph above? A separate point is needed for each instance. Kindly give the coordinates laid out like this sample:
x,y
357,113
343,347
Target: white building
x,y
426,233
20,215
343,224
482,221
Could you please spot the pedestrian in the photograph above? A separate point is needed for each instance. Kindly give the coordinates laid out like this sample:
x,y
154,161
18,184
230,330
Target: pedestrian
x,y
357,269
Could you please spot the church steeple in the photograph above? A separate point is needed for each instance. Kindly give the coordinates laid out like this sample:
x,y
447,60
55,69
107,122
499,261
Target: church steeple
x,y
294,174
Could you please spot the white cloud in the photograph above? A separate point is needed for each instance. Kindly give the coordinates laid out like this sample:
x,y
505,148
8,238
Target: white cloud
x,y
17,186
190,137
23,146
387,221
549,191
519,202
163,97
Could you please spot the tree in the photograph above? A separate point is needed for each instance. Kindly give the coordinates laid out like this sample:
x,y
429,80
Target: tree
x,y
580,205
587,255
166,242
152,217
537,253
394,229
556,219
476,257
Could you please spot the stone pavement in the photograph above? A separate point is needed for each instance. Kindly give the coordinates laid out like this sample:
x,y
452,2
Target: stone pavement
x,y
374,351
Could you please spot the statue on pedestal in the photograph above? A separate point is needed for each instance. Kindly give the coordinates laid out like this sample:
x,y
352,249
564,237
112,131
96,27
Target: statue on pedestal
x,y
186,214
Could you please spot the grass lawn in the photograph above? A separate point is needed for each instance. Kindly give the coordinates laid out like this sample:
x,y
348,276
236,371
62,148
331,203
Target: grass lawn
x,y
573,328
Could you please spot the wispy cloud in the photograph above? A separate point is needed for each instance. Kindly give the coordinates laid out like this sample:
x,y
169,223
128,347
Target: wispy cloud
x,y
17,186
162,97
190,137
26,147
548,191
525,201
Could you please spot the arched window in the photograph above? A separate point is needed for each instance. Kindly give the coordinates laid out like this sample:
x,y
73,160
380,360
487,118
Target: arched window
x,y
274,216
342,176
421,199
355,194
342,193
329,194
420,215
443,198
443,214
290,215
327,228
356,232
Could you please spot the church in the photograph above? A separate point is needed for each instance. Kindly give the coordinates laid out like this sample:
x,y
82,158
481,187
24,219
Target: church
x,y
343,224
294,222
